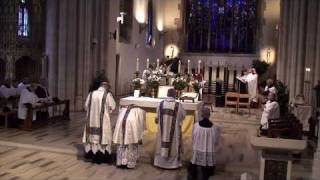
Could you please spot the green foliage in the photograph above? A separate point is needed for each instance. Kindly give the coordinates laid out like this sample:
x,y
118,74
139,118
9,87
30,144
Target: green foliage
x,y
260,66
283,97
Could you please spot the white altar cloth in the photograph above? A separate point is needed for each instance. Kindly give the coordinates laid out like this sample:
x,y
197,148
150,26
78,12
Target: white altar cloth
x,y
147,102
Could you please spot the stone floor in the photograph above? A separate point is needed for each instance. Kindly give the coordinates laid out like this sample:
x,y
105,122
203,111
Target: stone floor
x,y
54,152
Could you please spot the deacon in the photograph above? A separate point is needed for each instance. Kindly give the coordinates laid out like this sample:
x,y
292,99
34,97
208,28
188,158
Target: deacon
x,y
97,137
128,134
7,91
170,115
271,111
205,143
270,87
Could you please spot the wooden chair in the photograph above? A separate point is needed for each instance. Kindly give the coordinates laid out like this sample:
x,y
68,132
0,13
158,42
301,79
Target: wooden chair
x,y
244,101
232,99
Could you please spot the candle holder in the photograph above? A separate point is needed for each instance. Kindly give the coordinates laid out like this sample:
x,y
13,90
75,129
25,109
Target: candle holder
x,y
137,74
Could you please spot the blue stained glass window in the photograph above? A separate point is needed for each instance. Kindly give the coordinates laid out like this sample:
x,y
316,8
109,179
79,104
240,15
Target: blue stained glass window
x,y
221,26
149,31
23,19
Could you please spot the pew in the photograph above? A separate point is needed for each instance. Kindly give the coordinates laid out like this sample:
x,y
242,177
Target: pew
x,y
287,127
29,125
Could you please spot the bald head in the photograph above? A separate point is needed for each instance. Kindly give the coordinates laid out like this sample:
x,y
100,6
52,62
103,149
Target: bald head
x,y
171,93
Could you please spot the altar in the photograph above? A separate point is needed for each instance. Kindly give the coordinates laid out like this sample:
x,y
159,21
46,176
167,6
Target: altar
x,y
193,110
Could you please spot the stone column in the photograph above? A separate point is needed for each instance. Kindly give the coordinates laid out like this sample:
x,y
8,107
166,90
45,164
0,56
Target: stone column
x,y
44,66
51,44
9,68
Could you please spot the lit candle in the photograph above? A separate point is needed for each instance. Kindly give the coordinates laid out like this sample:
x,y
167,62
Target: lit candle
x,y
137,65
188,66
179,67
199,63
308,73
158,63
148,63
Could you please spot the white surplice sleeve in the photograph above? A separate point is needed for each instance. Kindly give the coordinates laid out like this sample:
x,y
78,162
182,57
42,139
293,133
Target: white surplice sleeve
x,y
111,101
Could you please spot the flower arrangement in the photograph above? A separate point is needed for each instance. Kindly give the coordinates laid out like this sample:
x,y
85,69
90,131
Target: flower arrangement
x,y
197,85
153,81
137,83
179,83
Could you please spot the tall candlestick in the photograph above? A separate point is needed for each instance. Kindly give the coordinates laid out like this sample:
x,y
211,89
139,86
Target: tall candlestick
x,y
148,63
199,63
179,67
137,65
188,66
158,63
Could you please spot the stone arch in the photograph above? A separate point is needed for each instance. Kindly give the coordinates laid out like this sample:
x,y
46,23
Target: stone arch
x,y
2,70
25,66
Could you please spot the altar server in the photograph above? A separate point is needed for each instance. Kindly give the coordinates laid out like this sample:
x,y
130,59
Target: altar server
x,y
128,134
97,136
170,115
27,98
205,143
271,111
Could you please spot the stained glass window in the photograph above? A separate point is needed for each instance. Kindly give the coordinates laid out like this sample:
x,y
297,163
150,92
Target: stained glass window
x,y
23,19
221,26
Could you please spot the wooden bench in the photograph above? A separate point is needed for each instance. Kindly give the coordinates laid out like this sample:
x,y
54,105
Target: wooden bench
x,y
288,127
6,115
28,124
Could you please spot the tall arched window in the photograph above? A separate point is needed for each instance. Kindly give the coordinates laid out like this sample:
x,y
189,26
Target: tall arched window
x,y
221,26
23,19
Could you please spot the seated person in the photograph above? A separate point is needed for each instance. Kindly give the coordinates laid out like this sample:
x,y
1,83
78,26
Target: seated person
x,y
205,140
271,111
28,98
42,91
270,87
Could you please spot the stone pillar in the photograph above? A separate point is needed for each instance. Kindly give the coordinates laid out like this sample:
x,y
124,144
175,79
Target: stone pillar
x,y
9,68
44,66
51,44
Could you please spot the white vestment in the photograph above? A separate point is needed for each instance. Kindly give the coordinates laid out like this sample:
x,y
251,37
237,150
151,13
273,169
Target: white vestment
x,y
26,97
134,126
252,80
271,89
205,142
170,115
6,92
127,135
271,111
97,134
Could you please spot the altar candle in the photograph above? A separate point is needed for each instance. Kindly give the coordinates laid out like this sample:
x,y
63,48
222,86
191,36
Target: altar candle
x,y
199,63
158,63
148,63
179,67
137,65
188,66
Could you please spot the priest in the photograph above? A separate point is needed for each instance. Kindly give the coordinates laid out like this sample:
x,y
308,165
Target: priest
x,y
97,136
252,79
128,135
28,98
170,115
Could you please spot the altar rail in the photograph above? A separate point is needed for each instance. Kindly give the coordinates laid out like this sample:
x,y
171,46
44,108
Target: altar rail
x,y
28,124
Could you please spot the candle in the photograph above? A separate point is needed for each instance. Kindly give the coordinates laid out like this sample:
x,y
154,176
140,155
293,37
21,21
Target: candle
x,y
308,73
188,66
179,67
199,63
158,63
137,65
148,63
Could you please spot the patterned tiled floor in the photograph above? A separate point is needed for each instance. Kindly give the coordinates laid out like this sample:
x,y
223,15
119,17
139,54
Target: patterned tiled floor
x,y
54,152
